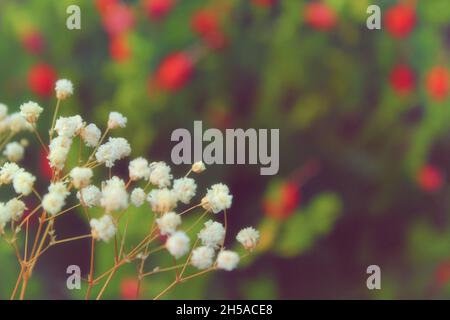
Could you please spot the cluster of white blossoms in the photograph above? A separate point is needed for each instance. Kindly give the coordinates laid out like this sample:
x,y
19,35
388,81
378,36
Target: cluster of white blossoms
x,y
160,191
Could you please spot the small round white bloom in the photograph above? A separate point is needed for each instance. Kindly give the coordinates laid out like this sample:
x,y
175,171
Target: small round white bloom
x,y
81,177
202,257
160,174
198,167
69,126
59,150
217,198
14,152
162,200
53,203
16,208
168,223
138,197
91,135
248,237
185,189
17,123
3,111
89,196
139,169
23,182
213,234
178,244
227,260
5,215
114,195
116,120
8,171
59,188
63,88
31,111
103,228
115,149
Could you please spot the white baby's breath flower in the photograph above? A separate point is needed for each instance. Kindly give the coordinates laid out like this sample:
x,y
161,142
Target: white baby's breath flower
x,y
213,234
116,120
3,111
138,197
81,177
178,244
59,188
162,200
14,152
53,202
31,111
59,150
160,174
198,167
16,208
5,215
217,198
185,189
63,89
227,260
168,223
115,149
248,237
89,196
23,182
139,169
103,228
91,135
69,127
17,123
202,257
114,195
8,171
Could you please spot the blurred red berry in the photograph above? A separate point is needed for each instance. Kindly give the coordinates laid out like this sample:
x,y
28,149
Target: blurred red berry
x,y
400,20
320,16
204,21
442,273
264,3
282,204
438,83
430,178
158,9
118,19
44,166
128,289
174,71
104,5
402,79
41,79
119,48
33,42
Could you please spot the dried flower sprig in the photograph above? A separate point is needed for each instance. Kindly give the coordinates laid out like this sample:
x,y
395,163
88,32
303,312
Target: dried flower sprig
x,y
152,183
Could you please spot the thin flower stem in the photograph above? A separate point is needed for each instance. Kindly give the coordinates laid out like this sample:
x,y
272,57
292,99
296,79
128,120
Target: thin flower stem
x,y
5,142
71,239
58,102
16,287
173,284
61,213
91,272
97,146
38,136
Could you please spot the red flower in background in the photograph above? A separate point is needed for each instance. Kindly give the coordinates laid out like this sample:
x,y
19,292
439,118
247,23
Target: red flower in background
x,y
128,289
320,16
442,273
400,20
206,24
33,42
119,48
41,79
104,5
264,3
283,202
430,178
44,166
174,71
402,79
118,19
438,83
158,9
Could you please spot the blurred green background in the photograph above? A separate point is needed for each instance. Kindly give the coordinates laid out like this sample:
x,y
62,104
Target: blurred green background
x,y
363,117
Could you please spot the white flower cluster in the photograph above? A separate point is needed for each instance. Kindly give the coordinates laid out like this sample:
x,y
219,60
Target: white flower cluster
x,y
103,228
55,199
16,122
12,210
218,198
